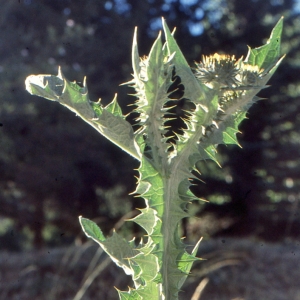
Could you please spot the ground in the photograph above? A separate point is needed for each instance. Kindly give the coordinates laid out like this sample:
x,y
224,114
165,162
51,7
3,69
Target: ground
x,y
233,269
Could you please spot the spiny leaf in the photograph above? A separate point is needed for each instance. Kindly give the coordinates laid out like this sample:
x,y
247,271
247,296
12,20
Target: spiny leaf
x,y
149,265
115,246
109,121
147,219
114,107
194,90
268,54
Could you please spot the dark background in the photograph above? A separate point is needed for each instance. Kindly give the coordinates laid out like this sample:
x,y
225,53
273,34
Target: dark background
x,y
54,167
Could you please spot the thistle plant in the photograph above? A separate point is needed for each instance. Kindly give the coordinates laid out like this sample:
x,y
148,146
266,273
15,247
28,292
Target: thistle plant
x,y
218,91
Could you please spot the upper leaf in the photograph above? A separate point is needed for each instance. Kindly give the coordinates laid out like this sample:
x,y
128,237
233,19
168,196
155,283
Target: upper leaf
x,y
267,55
193,90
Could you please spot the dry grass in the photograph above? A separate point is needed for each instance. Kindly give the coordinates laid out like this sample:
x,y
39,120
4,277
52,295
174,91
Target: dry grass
x,y
246,270
233,270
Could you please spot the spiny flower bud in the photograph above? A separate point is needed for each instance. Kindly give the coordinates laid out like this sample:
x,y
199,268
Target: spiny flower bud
x,y
250,75
219,71
227,97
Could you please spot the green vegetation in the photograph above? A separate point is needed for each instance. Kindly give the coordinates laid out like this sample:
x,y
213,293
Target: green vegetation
x,y
216,95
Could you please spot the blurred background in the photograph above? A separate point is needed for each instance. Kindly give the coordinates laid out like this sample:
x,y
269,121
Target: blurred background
x,y
54,167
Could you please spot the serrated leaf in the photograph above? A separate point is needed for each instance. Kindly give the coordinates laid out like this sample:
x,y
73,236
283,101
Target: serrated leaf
x,y
208,152
150,291
194,90
115,246
147,219
154,86
229,136
46,86
109,121
131,295
91,229
267,55
135,59
149,266
114,108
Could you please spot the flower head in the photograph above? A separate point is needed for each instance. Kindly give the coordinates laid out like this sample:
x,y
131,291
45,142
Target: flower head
x,y
250,75
219,70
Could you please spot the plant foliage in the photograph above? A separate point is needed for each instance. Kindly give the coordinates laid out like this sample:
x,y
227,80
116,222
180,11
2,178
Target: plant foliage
x,y
219,92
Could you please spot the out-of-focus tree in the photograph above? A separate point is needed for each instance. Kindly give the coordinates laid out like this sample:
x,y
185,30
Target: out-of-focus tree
x,y
54,167
264,172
